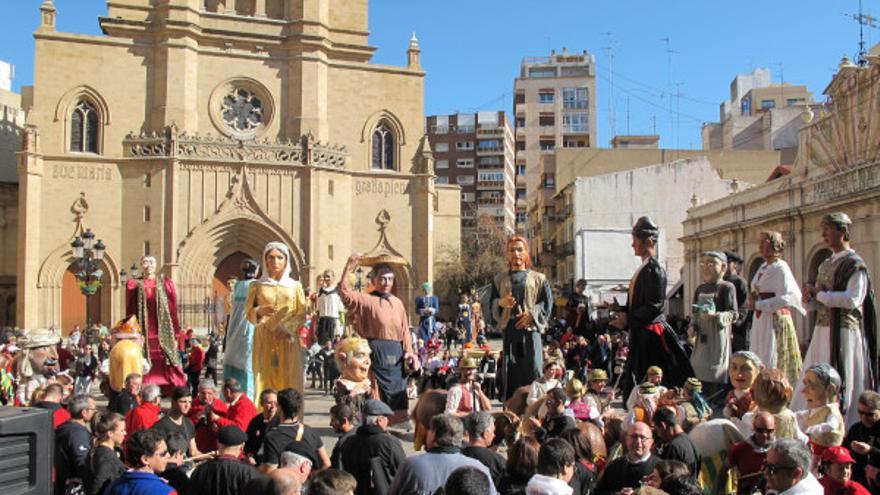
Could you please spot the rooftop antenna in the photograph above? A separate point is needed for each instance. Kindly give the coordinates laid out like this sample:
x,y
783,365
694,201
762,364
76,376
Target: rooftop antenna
x,y
609,48
863,20
669,52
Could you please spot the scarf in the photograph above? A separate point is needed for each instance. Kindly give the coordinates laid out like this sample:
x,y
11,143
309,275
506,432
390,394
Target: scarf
x,y
165,327
285,280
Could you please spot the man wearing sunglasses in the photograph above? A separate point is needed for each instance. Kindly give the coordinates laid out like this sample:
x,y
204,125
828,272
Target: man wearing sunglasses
x,y
748,456
863,439
787,469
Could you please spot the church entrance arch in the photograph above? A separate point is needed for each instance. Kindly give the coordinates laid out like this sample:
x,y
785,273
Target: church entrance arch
x,y
73,303
212,253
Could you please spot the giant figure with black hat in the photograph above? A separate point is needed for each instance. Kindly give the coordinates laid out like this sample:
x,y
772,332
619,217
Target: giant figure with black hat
x,y
742,322
845,332
652,342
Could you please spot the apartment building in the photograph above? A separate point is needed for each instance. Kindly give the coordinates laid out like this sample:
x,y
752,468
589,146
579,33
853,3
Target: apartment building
x,y
554,107
476,152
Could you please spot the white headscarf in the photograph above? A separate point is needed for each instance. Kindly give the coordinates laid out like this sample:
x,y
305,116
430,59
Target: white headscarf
x,y
285,280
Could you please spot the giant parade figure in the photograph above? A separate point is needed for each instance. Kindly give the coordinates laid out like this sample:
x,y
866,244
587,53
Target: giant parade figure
x,y
153,300
652,342
380,317
845,333
714,312
521,303
238,352
276,306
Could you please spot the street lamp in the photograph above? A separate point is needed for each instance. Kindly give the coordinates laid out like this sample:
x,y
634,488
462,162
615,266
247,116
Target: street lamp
x,y
88,255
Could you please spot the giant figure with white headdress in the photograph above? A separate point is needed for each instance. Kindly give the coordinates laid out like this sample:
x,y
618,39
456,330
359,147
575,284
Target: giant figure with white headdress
x,y
153,299
276,306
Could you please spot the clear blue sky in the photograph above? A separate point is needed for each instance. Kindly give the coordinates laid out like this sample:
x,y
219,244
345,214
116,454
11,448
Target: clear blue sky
x,y
471,49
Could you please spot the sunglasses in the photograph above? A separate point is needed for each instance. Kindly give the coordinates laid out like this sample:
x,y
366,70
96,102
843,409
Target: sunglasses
x,y
764,431
867,413
771,469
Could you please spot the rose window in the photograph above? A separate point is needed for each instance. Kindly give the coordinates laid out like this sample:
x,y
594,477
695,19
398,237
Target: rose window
x,y
242,110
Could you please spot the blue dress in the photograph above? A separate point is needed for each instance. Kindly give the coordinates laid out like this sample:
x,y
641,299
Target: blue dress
x,y
426,323
237,361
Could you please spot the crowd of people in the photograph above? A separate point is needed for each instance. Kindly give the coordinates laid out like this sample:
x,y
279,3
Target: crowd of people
x,y
571,404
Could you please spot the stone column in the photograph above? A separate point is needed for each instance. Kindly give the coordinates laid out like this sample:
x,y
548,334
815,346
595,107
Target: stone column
x,y
307,73
30,175
230,6
260,8
175,86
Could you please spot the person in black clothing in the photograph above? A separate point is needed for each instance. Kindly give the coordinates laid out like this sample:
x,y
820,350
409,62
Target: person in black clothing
x,y
176,421
480,429
676,445
740,328
262,423
584,480
211,360
652,342
578,311
372,455
104,464
863,438
127,399
292,435
224,474
629,471
489,370
522,462
331,373
177,470
342,422
556,421
72,444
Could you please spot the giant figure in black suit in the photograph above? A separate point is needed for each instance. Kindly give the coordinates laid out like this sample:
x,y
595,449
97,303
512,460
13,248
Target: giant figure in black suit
x,y
652,342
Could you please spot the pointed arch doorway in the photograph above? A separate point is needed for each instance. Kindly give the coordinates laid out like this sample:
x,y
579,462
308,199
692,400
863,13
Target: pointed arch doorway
x,y
73,303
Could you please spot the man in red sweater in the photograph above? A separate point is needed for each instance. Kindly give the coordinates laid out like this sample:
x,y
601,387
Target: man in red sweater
x,y
205,406
146,414
194,365
241,409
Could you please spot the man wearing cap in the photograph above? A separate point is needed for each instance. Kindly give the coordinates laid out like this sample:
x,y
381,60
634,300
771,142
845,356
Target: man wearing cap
x,y
224,474
37,363
845,332
740,327
596,397
837,465
381,319
655,376
427,306
714,307
652,340
466,396
372,455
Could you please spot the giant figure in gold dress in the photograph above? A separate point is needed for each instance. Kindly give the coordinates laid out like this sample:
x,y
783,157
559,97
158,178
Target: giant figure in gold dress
x,y
276,305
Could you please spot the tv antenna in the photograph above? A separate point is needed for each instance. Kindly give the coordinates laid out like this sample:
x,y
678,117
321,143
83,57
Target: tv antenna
x,y
863,20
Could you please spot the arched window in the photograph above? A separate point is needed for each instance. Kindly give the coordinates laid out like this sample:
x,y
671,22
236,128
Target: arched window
x,y
84,127
383,147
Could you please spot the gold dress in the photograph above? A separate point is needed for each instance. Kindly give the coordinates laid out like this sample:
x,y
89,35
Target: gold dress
x,y
277,356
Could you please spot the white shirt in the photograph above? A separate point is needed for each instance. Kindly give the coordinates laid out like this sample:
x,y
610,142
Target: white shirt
x,y
329,305
856,289
807,486
545,485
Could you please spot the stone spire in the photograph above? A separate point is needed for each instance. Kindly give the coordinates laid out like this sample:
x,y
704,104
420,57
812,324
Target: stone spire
x,y
413,53
47,16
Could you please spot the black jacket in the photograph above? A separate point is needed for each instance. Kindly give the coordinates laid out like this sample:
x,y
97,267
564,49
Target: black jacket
x,y
123,402
370,443
223,475
104,467
72,445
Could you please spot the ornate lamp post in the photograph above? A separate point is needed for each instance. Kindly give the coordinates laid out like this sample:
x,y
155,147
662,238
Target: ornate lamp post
x,y
88,255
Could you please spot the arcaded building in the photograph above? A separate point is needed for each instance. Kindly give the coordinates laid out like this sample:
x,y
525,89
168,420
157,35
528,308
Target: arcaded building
x,y
199,130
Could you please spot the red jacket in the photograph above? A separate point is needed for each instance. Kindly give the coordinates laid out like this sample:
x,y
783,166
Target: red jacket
x,y
142,417
240,413
836,488
206,430
196,360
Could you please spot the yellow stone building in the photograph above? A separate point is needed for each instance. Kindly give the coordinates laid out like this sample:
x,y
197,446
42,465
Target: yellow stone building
x,y
837,169
199,130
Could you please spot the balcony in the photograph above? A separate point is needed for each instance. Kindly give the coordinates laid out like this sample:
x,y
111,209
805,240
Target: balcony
x,y
489,150
565,212
567,249
490,184
490,201
440,129
489,130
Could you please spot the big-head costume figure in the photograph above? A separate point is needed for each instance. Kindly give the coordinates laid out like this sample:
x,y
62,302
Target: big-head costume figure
x,y
37,363
238,353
